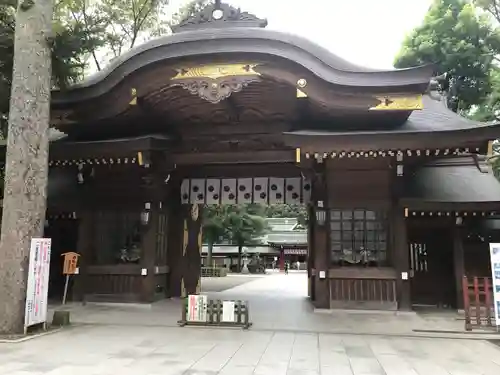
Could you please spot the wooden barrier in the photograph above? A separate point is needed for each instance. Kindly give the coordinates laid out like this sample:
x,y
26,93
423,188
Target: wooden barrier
x,y
478,302
214,315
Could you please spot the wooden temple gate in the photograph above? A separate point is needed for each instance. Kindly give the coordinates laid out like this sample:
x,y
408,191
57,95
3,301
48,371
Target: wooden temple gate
x,y
381,155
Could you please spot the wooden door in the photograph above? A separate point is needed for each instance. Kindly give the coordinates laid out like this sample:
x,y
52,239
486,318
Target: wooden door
x,y
431,268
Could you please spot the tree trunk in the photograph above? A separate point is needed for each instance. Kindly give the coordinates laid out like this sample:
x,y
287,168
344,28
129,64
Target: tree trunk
x,y
24,202
209,254
240,251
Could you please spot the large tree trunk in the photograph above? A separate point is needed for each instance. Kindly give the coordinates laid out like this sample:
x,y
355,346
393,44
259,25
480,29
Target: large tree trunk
x,y
26,170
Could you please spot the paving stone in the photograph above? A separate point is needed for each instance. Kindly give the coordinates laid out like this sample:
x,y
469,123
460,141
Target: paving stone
x,y
138,349
363,366
337,370
359,352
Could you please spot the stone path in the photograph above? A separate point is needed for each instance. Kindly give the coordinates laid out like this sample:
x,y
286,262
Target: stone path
x,y
278,302
287,338
108,350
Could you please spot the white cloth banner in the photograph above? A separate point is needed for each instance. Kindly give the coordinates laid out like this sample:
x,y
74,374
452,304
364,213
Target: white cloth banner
x,y
38,282
495,271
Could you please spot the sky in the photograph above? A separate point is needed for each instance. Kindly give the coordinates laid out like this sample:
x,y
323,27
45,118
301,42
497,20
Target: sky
x,y
365,32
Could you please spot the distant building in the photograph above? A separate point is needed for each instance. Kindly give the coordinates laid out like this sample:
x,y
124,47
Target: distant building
x,y
285,241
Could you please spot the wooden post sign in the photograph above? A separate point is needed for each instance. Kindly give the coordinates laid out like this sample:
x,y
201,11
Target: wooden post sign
x,y
70,267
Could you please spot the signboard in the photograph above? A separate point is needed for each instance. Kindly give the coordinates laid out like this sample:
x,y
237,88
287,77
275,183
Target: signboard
x,y
295,251
197,308
38,282
70,265
228,314
495,271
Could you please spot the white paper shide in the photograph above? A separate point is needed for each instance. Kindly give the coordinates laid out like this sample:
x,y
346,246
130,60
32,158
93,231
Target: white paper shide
x,y
38,282
495,270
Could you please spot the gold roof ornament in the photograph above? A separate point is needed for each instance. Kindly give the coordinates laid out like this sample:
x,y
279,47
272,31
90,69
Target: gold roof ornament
x,y
399,103
216,71
215,83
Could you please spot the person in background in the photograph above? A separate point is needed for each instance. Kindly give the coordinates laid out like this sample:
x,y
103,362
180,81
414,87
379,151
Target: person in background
x,y
286,268
298,266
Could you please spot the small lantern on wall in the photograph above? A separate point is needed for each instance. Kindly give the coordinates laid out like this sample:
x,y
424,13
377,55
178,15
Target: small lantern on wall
x,y
145,214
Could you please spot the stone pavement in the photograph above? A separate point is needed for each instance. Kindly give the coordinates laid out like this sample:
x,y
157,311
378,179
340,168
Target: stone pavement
x,y
139,350
287,338
278,303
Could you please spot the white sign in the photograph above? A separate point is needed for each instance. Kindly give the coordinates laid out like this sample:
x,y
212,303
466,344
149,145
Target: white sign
x,y
197,308
38,282
228,311
495,273
404,275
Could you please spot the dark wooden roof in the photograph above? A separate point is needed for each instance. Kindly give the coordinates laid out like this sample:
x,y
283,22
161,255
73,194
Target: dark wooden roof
x,y
466,182
65,149
335,112
450,129
229,40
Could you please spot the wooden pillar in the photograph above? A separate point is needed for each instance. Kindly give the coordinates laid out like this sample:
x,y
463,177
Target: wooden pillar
x,y
401,255
321,262
84,247
310,254
148,251
154,192
191,249
175,237
458,260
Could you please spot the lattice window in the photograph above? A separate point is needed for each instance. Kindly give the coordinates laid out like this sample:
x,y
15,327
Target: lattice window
x,y
358,237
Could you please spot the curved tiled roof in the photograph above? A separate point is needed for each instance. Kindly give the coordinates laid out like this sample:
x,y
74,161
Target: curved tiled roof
x,y
238,40
434,117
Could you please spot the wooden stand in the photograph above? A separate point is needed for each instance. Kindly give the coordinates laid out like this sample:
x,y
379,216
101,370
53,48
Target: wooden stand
x,y
214,315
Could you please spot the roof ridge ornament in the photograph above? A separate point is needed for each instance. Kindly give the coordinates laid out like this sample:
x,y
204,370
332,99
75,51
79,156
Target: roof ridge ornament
x,y
438,87
219,15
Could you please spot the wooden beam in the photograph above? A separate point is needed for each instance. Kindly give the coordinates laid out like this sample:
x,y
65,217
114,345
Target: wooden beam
x,y
238,171
240,157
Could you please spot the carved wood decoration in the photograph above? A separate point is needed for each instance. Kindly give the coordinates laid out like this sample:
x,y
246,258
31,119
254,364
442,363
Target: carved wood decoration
x,y
217,16
263,190
215,83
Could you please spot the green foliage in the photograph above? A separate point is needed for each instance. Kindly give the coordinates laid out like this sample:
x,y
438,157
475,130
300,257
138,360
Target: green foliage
x,y
213,224
489,110
241,227
71,43
459,41
85,29
189,9
121,24
236,224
